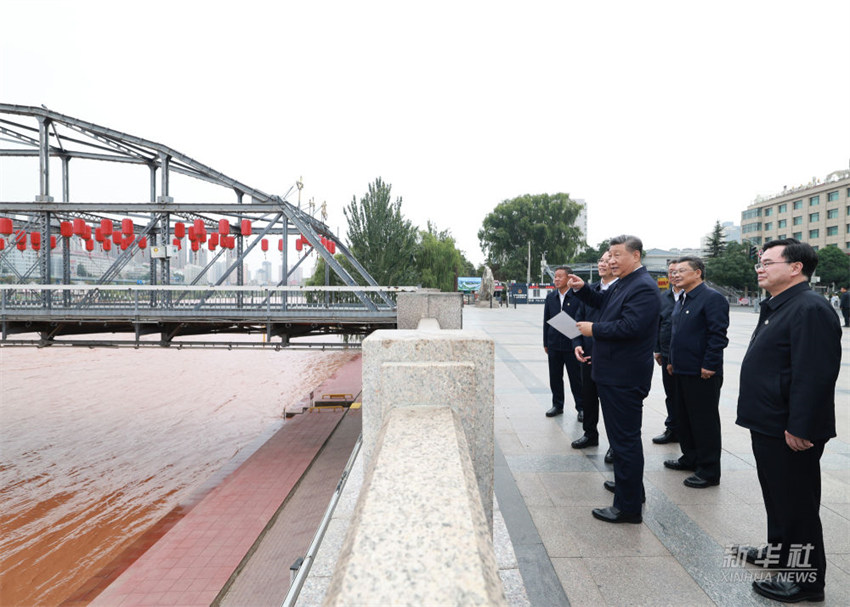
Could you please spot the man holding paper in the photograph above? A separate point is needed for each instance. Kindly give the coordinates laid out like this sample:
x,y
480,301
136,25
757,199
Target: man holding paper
x,y
560,304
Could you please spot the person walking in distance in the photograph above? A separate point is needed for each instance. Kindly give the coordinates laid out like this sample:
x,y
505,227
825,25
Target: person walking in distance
x,y
698,338
623,339
583,352
787,402
559,347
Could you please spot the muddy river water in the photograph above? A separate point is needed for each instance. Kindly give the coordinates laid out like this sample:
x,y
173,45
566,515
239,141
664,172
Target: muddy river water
x,y
96,445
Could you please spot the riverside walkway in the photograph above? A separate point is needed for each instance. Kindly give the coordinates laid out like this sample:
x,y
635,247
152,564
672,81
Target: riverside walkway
x,y
550,550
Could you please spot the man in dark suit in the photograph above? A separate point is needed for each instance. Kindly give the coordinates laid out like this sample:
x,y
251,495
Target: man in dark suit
x,y
623,340
584,352
559,347
662,356
698,338
844,304
787,401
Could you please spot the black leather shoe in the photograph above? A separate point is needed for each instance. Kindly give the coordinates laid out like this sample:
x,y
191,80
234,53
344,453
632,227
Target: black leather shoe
x,y
675,464
757,556
614,515
786,592
668,436
584,441
580,416
554,411
611,485
699,483
609,456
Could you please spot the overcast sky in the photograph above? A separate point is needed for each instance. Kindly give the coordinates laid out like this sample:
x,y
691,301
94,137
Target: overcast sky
x,y
663,116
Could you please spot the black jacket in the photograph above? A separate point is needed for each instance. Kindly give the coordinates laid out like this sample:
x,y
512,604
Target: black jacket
x,y
789,372
699,331
625,333
665,324
552,338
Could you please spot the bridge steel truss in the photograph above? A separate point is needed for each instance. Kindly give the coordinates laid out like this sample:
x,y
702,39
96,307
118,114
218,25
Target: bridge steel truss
x,y
61,309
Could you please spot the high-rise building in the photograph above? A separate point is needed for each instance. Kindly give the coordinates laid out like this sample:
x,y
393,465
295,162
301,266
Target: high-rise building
x,y
817,213
581,220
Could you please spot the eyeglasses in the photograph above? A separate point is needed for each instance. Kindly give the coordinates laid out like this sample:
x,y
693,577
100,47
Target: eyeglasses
x,y
764,265
682,271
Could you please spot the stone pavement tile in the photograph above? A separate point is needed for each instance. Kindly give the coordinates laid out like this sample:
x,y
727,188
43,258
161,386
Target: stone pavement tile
x,y
670,482
742,524
834,488
548,442
532,489
576,488
550,463
514,588
573,532
836,532
646,581
577,581
837,581
842,510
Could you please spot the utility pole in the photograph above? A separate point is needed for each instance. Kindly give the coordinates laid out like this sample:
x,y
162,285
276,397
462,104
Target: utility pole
x,y
528,268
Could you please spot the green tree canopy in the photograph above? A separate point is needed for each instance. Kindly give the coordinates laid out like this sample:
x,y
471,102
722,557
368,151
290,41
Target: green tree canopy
x,y
733,268
716,243
380,238
591,255
545,220
833,267
438,261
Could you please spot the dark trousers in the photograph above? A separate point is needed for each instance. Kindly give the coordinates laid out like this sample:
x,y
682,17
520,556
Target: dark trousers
x,y
558,359
669,395
845,312
698,414
590,402
623,411
791,487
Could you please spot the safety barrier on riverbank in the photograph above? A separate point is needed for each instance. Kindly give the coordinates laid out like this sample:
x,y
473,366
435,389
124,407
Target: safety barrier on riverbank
x,y
422,528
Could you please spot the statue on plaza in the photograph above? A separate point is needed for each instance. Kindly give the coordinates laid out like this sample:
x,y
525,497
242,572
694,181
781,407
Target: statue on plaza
x,y
485,291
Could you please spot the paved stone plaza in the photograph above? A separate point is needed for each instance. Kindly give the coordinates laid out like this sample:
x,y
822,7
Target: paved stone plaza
x,y
546,489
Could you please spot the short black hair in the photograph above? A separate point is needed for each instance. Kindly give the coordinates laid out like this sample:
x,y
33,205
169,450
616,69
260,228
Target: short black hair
x,y
566,269
696,264
632,243
672,261
796,251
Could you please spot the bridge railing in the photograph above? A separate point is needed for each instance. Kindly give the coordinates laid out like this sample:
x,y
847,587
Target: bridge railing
x,y
109,300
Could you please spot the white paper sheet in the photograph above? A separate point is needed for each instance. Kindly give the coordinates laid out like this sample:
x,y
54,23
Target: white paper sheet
x,y
565,324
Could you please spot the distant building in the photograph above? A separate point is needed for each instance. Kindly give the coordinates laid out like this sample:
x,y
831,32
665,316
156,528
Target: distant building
x,y
817,213
656,260
581,220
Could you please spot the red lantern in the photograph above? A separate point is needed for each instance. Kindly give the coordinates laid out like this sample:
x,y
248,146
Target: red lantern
x,y
35,239
196,245
176,243
98,234
143,242
264,244
179,229
116,237
214,239
90,245
210,243
107,244
280,244
332,247
246,227
66,229
191,233
223,227
2,244
298,245
5,226
22,245
79,226
127,226
199,225
128,240
106,227
52,242
21,237
87,232
200,236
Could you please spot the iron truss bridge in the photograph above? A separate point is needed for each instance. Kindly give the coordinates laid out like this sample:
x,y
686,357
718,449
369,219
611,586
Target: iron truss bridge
x,y
151,264
89,315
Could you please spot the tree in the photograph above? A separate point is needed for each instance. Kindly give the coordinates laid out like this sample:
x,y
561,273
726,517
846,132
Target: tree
x,y
318,277
716,243
438,261
380,238
833,267
591,255
733,268
545,220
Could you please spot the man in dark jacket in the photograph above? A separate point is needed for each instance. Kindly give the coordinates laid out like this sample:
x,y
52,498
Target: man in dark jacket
x,y
584,352
697,341
844,304
662,356
623,339
787,401
559,347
